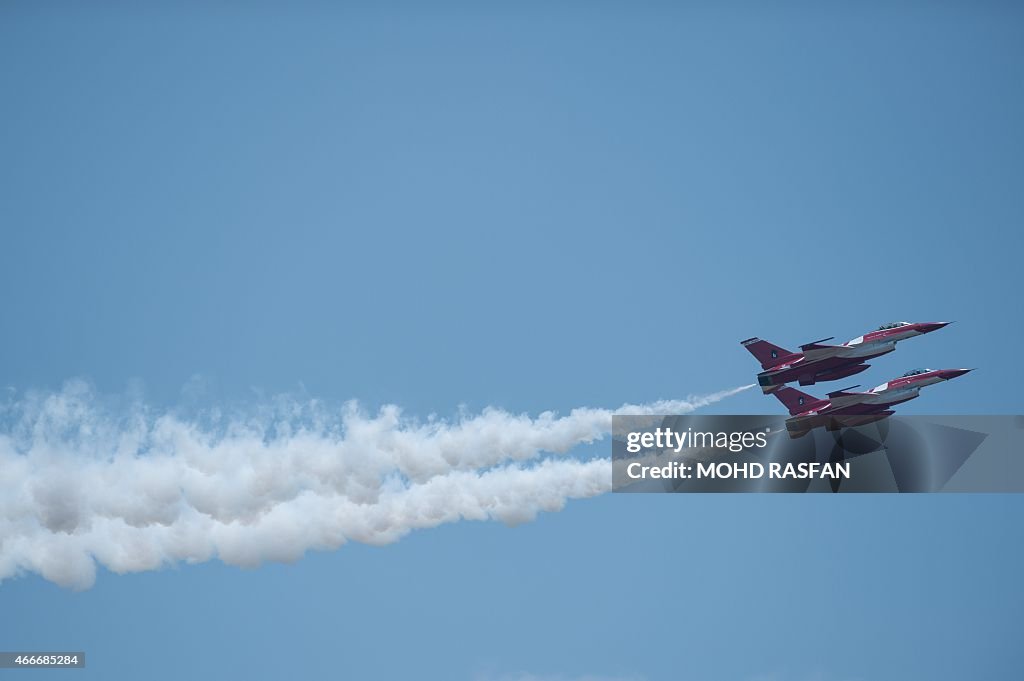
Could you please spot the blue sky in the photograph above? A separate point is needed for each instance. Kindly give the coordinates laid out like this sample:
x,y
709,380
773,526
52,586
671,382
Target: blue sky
x,y
535,207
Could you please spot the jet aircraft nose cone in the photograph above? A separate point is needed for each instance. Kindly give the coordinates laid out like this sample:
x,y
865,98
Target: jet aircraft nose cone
x,y
928,327
947,374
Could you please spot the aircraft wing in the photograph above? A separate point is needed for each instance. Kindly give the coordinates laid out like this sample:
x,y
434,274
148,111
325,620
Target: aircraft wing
x,y
847,392
847,398
855,408
814,352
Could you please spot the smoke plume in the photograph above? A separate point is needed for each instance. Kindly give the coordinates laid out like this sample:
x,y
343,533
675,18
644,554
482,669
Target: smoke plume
x,y
133,489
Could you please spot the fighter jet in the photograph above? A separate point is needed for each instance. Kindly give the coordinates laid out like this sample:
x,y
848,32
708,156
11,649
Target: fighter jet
x,y
819,362
843,408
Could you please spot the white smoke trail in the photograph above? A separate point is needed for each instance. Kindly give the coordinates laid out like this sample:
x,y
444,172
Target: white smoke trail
x,y
133,490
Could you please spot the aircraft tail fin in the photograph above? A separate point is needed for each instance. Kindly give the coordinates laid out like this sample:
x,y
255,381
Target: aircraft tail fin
x,y
794,400
767,354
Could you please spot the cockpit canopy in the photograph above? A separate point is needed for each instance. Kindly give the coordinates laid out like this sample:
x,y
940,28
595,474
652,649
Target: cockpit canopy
x,y
893,325
915,372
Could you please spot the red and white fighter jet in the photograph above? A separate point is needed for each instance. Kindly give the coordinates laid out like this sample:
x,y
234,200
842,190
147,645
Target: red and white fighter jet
x,y
819,362
843,408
